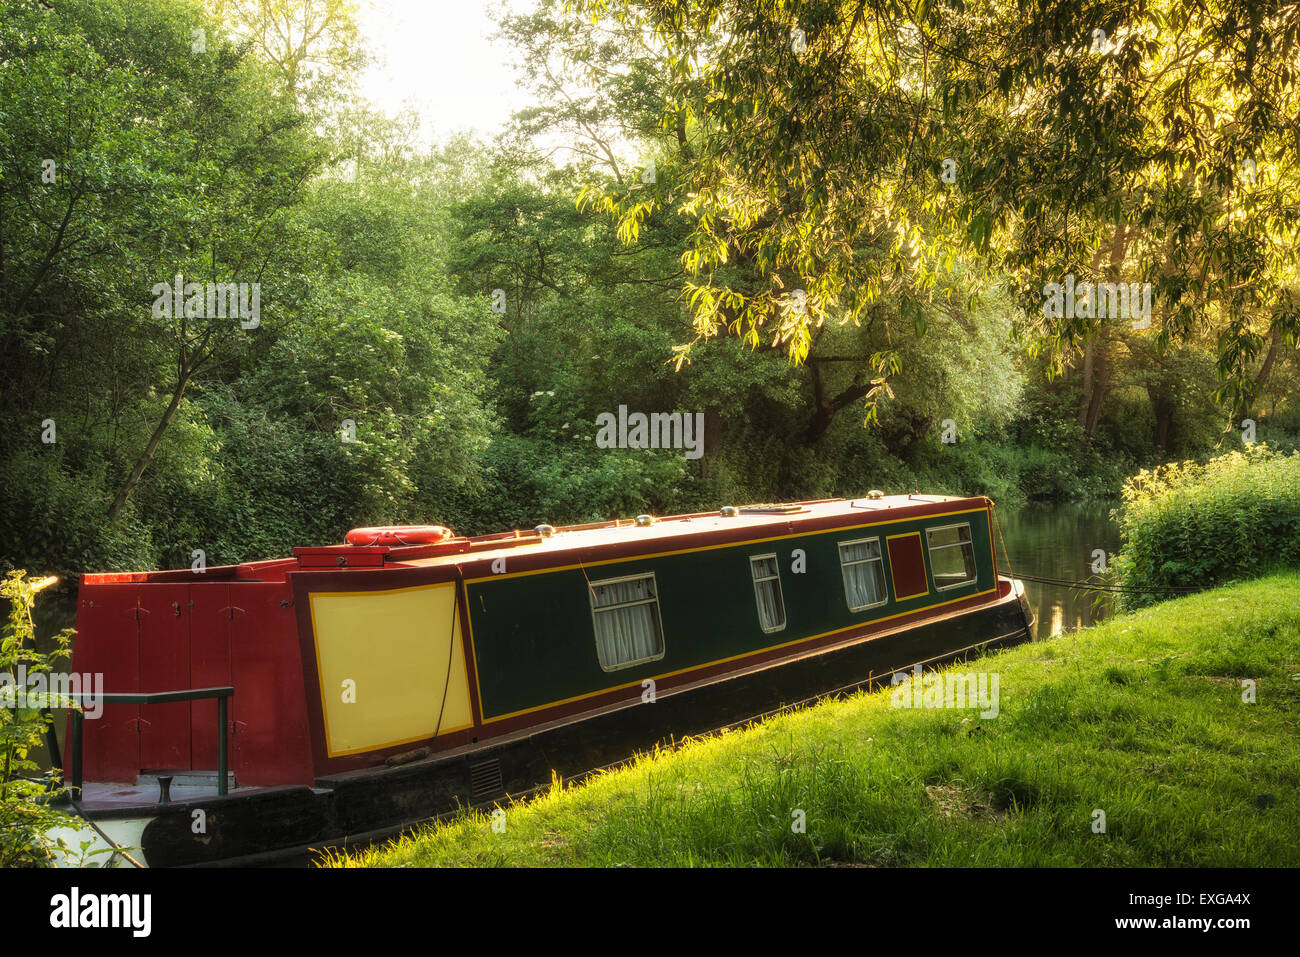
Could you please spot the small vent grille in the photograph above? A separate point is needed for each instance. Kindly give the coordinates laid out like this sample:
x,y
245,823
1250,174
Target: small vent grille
x,y
485,777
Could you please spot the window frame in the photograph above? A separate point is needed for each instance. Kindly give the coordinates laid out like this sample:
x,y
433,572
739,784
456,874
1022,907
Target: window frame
x,y
880,558
969,543
658,617
780,593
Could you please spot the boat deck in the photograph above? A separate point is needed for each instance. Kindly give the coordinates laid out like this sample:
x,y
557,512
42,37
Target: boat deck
x,y
99,796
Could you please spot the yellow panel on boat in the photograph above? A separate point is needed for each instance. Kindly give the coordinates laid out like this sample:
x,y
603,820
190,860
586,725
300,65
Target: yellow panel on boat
x,y
382,657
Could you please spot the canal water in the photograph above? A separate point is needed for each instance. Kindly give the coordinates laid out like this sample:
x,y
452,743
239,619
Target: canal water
x,y
1060,541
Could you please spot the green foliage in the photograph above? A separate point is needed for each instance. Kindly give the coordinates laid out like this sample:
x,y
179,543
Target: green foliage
x,y
1185,524
26,817
52,515
1050,122
534,481
378,260
177,433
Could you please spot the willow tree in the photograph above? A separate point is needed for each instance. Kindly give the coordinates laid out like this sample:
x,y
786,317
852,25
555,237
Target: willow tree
x,y
851,151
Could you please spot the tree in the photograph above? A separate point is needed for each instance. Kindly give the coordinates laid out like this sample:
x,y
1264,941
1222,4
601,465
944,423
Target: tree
x,y
100,210
314,46
852,151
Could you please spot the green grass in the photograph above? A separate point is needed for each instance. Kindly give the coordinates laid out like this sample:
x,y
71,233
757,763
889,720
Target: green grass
x,y
1141,717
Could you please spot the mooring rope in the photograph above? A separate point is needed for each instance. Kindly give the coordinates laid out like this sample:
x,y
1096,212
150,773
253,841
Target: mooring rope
x,y
451,645
1005,553
1091,586
117,848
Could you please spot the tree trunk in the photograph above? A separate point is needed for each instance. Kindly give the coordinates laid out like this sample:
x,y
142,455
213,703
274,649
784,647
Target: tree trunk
x,y
1274,345
147,455
1101,370
1096,361
824,409
1086,398
1163,408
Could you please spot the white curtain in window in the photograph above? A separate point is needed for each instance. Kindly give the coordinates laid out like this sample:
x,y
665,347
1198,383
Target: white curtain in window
x,y
619,593
627,621
862,583
770,612
864,577
767,590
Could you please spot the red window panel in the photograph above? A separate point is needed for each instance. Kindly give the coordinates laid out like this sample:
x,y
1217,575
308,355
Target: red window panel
x,y
907,566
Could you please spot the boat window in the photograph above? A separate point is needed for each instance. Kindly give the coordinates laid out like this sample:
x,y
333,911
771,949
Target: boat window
x,y
864,573
767,591
952,557
625,612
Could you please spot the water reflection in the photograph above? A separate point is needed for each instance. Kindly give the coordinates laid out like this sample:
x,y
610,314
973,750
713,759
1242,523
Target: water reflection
x,y
1058,541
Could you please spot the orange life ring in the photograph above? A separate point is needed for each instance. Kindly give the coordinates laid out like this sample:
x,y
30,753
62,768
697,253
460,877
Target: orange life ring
x,y
399,535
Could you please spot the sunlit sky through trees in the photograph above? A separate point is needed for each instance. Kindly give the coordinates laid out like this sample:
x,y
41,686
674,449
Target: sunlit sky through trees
x,y
436,57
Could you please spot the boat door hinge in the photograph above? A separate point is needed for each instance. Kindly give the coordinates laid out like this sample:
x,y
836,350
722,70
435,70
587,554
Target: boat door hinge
x,y
286,602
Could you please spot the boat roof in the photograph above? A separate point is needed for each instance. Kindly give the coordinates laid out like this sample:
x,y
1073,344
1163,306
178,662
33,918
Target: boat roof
x,y
662,533
776,517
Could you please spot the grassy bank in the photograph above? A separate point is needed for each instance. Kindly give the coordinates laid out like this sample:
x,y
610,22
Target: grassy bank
x,y
1142,717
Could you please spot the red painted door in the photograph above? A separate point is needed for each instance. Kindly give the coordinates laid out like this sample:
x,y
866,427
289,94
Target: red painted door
x,y
107,648
164,627
271,742
210,623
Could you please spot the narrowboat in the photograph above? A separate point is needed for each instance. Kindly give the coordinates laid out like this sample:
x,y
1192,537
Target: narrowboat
x,y
252,711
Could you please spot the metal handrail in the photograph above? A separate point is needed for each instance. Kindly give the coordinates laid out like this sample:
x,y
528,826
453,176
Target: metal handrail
x,y
222,694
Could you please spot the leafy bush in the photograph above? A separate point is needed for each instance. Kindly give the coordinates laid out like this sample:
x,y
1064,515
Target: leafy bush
x,y
531,481
52,517
1184,524
26,817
